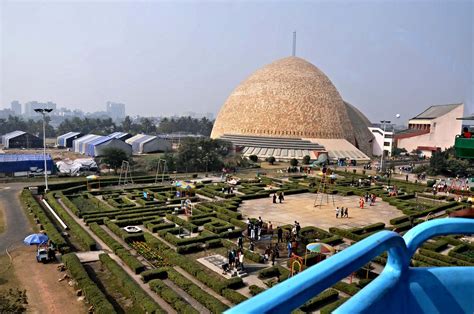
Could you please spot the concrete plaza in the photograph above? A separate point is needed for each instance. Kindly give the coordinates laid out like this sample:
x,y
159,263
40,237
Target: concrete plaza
x,y
301,207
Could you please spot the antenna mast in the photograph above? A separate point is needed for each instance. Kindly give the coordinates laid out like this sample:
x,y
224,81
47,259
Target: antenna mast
x,y
294,43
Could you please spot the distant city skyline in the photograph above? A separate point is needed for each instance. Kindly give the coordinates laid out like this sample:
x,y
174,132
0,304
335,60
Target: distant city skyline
x,y
168,58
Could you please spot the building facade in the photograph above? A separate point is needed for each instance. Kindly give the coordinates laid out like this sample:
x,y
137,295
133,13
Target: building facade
x,y
383,141
16,107
115,110
433,129
32,105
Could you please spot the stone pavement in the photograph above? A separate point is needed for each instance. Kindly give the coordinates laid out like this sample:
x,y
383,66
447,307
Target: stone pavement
x,y
300,207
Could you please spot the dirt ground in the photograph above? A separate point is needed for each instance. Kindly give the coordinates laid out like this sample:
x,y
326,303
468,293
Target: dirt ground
x,y
45,293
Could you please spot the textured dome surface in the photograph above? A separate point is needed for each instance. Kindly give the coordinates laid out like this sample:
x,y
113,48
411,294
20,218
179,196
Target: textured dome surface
x,y
287,98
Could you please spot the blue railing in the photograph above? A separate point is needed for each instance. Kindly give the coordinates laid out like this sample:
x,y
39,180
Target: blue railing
x,y
398,289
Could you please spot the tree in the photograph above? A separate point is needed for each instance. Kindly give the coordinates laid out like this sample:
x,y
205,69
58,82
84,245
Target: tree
x,y
398,151
306,160
127,124
253,158
294,162
271,160
114,157
202,154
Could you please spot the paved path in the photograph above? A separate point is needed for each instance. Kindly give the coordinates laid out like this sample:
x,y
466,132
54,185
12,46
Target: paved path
x,y
300,207
17,226
165,306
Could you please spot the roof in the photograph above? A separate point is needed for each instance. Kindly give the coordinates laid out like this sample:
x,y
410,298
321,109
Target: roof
x,y
22,157
288,98
68,135
410,133
118,135
14,134
434,112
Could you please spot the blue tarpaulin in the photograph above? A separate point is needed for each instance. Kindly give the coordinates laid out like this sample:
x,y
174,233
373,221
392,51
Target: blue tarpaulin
x,y
10,163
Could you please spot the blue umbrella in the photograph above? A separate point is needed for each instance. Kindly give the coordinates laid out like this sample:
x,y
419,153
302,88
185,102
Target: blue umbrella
x,y
35,238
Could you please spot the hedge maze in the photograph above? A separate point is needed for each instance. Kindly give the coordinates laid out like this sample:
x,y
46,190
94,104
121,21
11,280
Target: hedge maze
x,y
161,263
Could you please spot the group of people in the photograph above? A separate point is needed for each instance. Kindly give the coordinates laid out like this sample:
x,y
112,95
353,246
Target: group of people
x,y
366,199
254,230
229,189
271,253
280,196
235,261
343,212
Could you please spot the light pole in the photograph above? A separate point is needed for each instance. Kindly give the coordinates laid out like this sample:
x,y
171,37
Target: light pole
x,y
43,112
384,124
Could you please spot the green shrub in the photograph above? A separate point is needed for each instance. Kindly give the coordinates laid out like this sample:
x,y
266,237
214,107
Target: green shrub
x,y
171,297
158,273
325,297
129,287
233,296
85,239
130,260
211,303
93,294
104,236
350,289
445,258
254,290
328,309
27,199
463,252
183,223
190,248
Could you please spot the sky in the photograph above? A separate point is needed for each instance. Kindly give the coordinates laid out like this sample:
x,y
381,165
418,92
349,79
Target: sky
x,y
165,58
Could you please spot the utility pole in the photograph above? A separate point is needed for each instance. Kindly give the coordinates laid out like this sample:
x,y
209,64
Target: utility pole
x,y
384,123
43,112
294,44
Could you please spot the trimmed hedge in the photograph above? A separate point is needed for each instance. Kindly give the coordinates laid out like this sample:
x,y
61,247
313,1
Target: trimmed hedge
x,y
328,309
93,294
350,289
463,252
274,271
158,273
211,303
233,296
254,290
129,287
28,201
183,223
445,258
84,238
171,297
325,297
437,246
104,236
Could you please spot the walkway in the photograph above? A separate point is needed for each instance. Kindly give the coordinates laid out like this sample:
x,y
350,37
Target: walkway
x,y
17,226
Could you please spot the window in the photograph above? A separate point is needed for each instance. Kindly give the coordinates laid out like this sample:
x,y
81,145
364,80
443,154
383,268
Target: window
x,y
386,143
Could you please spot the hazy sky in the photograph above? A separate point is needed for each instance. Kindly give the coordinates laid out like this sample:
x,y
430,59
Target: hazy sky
x,y
163,58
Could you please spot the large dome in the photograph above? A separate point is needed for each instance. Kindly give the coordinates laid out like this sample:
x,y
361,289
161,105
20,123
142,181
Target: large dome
x,y
287,98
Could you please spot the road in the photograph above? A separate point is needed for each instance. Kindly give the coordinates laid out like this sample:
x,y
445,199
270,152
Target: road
x,y
17,225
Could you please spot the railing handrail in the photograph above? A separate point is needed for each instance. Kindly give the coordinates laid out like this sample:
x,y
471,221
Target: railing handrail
x,y
295,291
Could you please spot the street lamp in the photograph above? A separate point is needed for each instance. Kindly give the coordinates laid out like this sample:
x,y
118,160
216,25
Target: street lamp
x,y
384,123
43,112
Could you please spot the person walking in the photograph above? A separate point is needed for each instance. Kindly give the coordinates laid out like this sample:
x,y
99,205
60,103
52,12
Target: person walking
x,y
337,212
346,212
298,228
280,197
280,234
240,242
273,257
274,198
252,232
288,246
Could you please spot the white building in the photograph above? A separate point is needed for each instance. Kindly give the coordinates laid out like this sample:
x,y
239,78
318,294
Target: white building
x,y
433,129
383,141
16,107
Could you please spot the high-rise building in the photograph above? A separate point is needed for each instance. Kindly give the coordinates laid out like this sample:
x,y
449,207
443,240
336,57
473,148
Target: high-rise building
x,y
115,110
32,105
16,107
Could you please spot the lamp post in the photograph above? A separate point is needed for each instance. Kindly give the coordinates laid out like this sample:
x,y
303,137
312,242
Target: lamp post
x,y
384,124
43,112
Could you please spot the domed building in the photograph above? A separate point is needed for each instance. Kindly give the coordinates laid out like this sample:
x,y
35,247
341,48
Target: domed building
x,y
292,102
